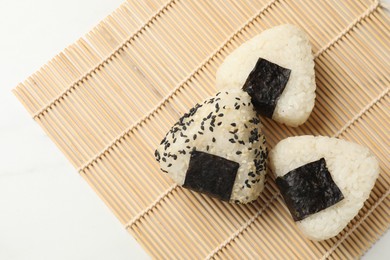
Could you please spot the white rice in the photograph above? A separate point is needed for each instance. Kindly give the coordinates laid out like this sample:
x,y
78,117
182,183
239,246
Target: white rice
x,y
289,47
227,101
354,169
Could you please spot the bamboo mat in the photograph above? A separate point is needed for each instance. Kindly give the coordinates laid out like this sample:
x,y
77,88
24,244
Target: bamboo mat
x,y
108,99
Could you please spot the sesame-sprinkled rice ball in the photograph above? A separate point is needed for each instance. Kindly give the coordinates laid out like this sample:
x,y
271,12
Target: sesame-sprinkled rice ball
x,y
217,148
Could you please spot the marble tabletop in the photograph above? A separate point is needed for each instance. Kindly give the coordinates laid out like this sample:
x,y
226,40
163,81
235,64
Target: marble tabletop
x,y
47,211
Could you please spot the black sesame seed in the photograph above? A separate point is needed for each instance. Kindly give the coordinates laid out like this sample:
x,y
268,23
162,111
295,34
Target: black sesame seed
x,y
220,115
238,152
213,139
207,148
211,129
187,140
163,159
169,165
233,124
194,137
232,140
241,142
199,132
157,155
254,135
220,123
254,121
237,98
163,170
251,174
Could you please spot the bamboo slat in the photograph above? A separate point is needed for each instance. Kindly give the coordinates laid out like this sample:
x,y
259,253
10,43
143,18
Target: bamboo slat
x,y
108,99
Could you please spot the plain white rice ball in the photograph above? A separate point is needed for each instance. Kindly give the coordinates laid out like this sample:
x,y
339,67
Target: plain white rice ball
x,y
353,168
286,46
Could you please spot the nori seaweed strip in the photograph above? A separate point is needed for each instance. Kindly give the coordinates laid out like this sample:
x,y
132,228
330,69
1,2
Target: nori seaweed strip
x,y
308,189
211,174
265,84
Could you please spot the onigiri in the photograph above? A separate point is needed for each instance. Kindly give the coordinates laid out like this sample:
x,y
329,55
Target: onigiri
x,y
217,148
324,181
287,50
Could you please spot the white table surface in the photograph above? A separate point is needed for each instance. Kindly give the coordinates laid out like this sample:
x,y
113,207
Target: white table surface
x,y
47,211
